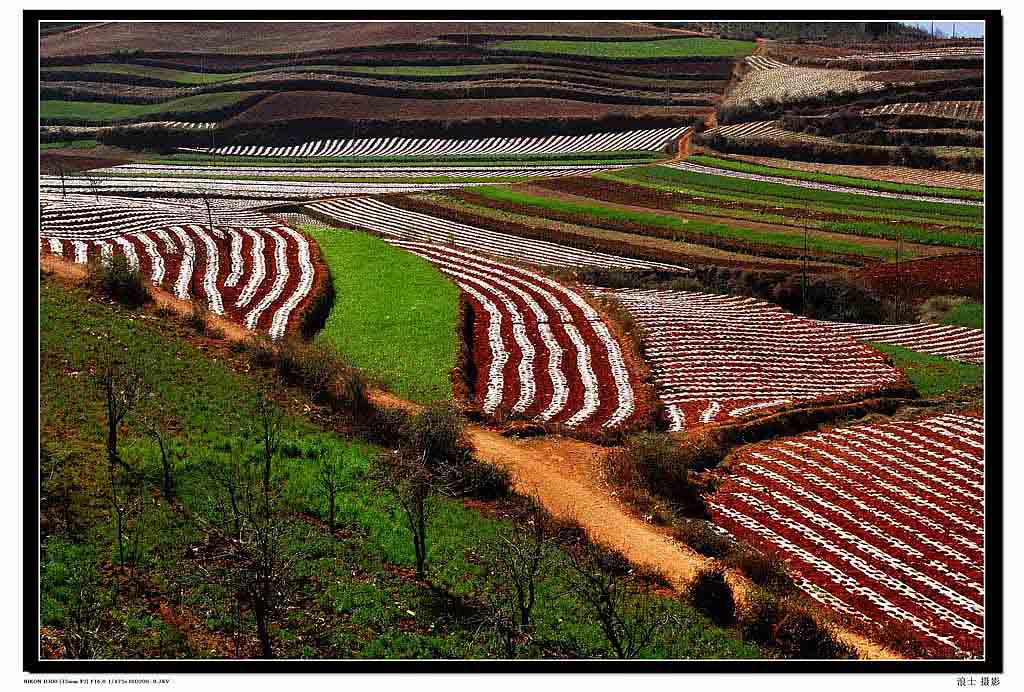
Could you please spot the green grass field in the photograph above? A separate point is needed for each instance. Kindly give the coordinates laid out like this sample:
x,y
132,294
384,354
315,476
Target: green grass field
x,y
967,315
54,110
933,376
351,595
601,216
664,48
394,315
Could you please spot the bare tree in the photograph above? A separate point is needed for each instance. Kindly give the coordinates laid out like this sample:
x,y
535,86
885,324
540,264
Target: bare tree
x,y
269,419
123,388
407,476
242,516
625,610
519,560
330,469
155,431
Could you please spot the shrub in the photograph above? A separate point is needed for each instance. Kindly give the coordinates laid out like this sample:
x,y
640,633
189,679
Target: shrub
x,y
657,463
764,570
485,481
800,635
710,593
700,536
760,617
439,431
199,318
115,278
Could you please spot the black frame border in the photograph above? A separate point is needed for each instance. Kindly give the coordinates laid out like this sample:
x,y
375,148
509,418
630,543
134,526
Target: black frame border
x,y
994,396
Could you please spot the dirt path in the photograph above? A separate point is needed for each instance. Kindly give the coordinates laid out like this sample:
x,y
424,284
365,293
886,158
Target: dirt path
x,y
563,475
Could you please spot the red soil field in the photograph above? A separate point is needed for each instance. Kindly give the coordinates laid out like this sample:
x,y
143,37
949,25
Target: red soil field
x,y
302,105
962,275
289,38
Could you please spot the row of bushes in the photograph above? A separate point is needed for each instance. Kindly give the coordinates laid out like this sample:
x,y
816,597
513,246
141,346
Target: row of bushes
x,y
833,297
915,138
915,157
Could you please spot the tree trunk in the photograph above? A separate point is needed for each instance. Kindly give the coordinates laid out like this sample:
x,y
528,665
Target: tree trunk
x,y
330,512
262,631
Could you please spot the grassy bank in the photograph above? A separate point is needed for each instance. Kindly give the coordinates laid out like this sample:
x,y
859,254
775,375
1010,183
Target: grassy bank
x,y
349,594
393,316
933,376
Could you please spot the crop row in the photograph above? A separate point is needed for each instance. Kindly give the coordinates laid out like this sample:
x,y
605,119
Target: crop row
x,y
400,224
797,83
257,276
718,359
276,190
332,172
764,129
634,140
540,351
957,110
760,62
914,55
810,184
957,343
884,523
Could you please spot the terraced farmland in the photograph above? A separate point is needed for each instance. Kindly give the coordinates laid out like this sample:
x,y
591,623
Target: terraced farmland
x,y
952,110
791,84
247,267
882,522
542,353
400,224
720,359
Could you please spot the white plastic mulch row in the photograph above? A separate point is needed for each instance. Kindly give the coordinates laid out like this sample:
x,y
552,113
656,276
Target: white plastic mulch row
x,y
719,358
198,170
634,140
250,189
764,129
401,224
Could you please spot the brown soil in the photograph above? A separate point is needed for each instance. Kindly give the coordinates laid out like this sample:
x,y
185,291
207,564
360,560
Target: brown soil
x,y
919,76
289,38
52,161
301,105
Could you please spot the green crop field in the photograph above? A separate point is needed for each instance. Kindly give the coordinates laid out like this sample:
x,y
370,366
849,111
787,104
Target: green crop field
x,y
55,110
664,48
350,594
852,202
602,216
846,180
394,315
933,376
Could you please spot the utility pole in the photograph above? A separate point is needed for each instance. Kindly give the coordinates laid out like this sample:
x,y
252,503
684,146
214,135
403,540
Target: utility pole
x,y
63,187
899,277
803,278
